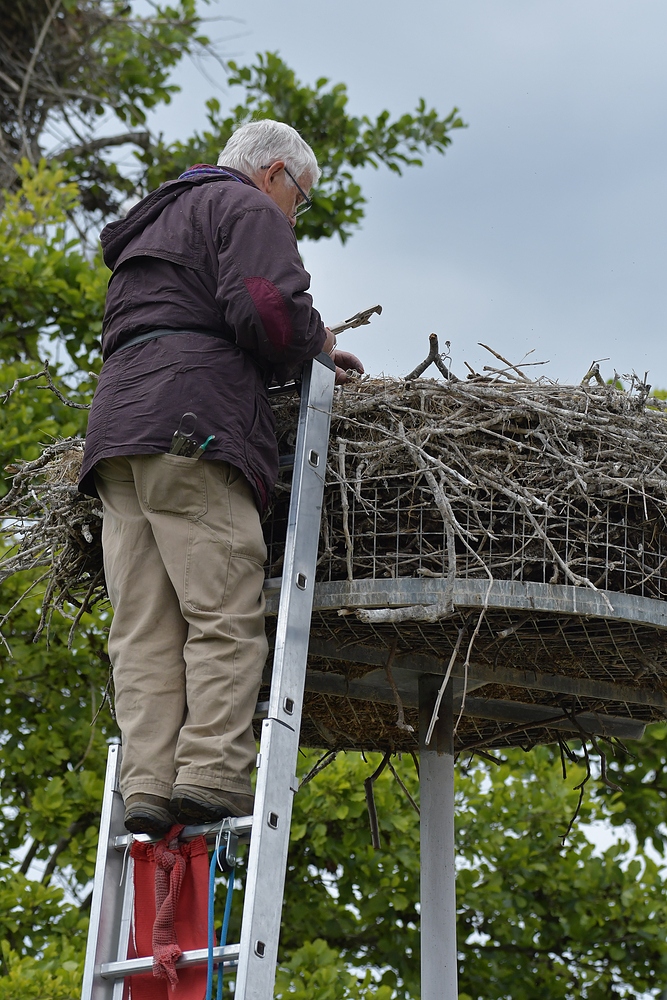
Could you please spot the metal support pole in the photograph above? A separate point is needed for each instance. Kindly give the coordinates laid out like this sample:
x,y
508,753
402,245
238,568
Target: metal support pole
x,y
438,875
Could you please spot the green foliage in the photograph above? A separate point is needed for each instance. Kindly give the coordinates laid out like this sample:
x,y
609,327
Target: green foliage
x,y
535,918
316,972
342,143
56,975
642,801
365,900
540,919
134,57
33,914
47,284
52,756
32,418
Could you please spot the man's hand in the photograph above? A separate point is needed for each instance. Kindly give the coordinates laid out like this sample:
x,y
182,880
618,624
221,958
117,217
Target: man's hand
x,y
345,362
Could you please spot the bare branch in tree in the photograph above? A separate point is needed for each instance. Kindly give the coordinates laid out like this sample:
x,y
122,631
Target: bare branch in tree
x,y
29,71
142,139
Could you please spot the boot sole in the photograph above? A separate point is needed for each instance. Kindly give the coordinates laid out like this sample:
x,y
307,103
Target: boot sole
x,y
190,811
144,820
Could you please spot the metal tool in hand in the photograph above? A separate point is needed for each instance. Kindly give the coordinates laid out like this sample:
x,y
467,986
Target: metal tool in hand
x,y
362,318
183,442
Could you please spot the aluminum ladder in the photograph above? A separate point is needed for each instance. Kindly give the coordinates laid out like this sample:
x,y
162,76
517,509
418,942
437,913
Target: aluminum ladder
x,y
256,954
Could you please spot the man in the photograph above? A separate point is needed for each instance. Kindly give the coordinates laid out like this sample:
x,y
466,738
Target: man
x,y
207,304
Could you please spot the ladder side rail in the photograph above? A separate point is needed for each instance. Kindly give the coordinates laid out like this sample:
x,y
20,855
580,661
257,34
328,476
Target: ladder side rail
x,y
126,920
276,781
301,543
106,904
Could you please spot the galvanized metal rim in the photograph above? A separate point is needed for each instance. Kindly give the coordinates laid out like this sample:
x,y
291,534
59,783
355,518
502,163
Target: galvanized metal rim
x,y
509,595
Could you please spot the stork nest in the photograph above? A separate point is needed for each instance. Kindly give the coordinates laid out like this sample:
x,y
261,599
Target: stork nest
x,y
499,480
489,478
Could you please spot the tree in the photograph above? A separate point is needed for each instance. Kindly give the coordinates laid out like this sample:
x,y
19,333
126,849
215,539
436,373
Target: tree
x,y
65,66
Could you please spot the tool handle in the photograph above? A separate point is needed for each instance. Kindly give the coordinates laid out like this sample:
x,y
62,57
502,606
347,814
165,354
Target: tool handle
x,y
361,318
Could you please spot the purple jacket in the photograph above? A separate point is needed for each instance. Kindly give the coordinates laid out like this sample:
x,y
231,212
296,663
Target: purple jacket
x,y
207,252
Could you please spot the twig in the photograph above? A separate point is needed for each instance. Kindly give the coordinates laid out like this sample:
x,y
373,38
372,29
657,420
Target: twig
x,y
324,761
428,360
448,673
370,801
489,757
17,382
506,362
466,664
403,787
581,787
413,613
400,720
106,696
433,357
142,139
52,11
594,372
58,393
345,507
51,387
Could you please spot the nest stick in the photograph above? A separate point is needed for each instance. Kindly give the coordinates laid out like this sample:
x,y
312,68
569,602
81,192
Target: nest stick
x,y
370,801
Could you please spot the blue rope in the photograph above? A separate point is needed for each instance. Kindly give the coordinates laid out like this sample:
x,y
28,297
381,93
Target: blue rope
x,y
225,928
225,925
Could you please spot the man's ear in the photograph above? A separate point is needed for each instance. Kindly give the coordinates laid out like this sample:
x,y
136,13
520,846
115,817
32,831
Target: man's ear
x,y
271,173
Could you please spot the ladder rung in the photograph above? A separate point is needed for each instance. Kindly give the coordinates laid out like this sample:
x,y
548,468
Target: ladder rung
x,y
286,462
261,710
132,966
272,584
239,825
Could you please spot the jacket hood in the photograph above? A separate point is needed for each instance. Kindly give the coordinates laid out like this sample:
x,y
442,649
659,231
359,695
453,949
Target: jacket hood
x,y
116,235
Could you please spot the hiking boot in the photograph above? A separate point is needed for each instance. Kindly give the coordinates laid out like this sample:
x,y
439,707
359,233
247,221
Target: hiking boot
x,y
192,805
147,814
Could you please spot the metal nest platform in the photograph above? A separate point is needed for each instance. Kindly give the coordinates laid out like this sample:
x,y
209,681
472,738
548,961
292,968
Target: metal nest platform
x,y
513,533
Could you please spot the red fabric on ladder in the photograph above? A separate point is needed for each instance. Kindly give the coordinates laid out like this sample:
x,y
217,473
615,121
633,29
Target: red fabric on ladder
x,y
170,916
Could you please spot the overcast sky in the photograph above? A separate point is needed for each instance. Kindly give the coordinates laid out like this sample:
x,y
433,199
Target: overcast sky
x,y
542,227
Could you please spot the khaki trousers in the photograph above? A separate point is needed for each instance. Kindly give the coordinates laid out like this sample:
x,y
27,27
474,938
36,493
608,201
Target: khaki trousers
x,y
183,557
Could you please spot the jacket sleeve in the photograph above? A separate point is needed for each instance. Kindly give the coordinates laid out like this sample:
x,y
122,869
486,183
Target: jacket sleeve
x,y
262,291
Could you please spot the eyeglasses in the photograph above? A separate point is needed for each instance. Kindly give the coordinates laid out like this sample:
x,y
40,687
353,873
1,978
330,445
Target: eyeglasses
x,y
306,203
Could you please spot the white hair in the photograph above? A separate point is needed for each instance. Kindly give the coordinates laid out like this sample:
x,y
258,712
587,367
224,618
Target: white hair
x,y
258,144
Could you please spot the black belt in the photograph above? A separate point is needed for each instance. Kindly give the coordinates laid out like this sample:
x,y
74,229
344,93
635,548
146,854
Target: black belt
x,y
156,334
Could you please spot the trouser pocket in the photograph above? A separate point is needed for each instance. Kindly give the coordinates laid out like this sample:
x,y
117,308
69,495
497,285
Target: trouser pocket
x,y
173,484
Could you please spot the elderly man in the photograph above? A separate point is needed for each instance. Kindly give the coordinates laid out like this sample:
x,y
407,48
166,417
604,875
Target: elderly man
x,y
207,304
